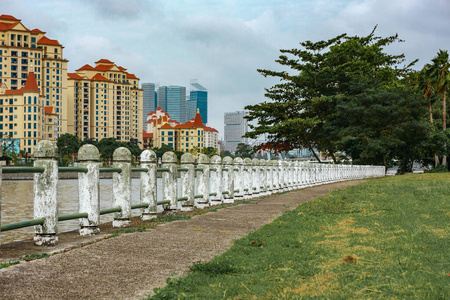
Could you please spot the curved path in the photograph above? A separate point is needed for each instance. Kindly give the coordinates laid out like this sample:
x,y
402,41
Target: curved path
x,y
131,265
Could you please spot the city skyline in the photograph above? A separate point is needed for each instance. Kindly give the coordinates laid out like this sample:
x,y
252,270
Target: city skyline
x,y
223,44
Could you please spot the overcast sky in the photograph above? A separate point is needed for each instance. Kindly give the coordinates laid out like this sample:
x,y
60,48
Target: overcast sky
x,y
222,43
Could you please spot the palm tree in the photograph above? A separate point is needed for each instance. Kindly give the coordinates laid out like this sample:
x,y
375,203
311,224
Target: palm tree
x,y
439,74
426,85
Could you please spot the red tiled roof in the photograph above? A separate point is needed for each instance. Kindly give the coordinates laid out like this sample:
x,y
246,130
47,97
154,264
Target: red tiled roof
x,y
131,76
147,135
103,67
209,129
121,68
9,17
13,92
198,121
45,40
37,31
31,84
150,113
104,61
6,26
48,110
74,76
166,126
159,108
99,77
149,121
86,67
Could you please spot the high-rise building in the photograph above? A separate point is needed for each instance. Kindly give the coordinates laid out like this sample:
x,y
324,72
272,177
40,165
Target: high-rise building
x,y
198,100
107,102
161,100
176,102
24,51
235,128
149,99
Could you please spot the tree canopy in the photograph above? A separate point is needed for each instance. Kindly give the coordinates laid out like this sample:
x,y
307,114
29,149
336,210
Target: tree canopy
x,y
345,95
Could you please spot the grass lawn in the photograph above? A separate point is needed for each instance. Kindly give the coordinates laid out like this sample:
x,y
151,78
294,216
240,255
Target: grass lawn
x,y
386,238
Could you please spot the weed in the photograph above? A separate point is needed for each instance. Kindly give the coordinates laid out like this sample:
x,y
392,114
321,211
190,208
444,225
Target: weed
x,y
7,264
30,257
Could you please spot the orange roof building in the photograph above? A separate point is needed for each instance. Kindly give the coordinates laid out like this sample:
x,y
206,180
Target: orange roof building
x,y
108,102
30,54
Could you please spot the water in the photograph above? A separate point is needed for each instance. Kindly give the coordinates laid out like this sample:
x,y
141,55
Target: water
x,y
17,204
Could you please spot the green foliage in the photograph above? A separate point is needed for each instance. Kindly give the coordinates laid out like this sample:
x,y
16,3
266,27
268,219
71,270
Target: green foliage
x,y
384,238
345,95
244,150
7,264
30,257
437,169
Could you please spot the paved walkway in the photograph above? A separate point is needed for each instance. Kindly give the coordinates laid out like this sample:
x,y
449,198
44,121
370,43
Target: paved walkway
x,y
131,265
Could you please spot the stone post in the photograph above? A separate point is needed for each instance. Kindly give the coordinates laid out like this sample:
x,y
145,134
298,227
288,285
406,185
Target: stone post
x,y
203,181
269,177
148,184
188,181
238,177
216,180
45,193
256,187
291,177
229,180
169,180
275,176
122,187
263,176
248,180
88,189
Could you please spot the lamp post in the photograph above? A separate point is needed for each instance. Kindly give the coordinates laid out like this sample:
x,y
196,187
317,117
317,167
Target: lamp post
x,y
60,154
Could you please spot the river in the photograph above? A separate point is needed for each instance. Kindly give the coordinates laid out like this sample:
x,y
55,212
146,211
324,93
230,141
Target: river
x,y
17,204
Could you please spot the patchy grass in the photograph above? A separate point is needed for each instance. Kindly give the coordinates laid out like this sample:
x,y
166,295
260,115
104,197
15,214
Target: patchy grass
x,y
386,238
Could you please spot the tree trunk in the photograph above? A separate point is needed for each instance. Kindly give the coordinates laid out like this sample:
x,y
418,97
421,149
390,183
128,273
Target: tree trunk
x,y
444,127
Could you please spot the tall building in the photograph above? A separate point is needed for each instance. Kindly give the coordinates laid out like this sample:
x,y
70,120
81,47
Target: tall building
x,y
162,97
24,51
149,99
107,102
235,128
176,102
198,100
24,118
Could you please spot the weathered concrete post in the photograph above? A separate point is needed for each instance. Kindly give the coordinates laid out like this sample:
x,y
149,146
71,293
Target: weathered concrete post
x,y
263,176
122,187
188,181
203,181
275,177
45,193
88,189
291,177
285,176
229,180
216,180
148,184
238,178
256,187
269,177
169,180
248,180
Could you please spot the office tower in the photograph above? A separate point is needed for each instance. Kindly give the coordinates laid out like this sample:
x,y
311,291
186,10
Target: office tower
x,y
161,100
176,102
24,51
235,128
107,101
149,99
198,100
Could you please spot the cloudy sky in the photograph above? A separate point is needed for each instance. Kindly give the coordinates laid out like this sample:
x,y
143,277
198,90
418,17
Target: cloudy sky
x,y
222,43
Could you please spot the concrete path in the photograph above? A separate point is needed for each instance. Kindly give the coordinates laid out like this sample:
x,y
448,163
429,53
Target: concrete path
x,y
131,265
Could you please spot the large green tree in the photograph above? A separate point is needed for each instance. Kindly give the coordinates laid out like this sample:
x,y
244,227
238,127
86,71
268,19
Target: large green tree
x,y
337,97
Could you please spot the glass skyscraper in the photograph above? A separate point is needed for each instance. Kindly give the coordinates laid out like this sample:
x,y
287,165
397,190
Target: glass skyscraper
x,y
149,99
176,103
198,99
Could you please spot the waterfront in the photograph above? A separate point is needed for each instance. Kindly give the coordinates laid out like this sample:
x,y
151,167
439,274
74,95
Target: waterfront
x,y
17,204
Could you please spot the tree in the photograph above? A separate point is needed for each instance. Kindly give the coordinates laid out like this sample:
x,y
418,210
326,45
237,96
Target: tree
x,y
210,151
438,72
331,100
244,150
106,147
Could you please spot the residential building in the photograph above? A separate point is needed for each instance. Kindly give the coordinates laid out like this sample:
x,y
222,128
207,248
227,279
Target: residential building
x,y
107,101
148,99
211,138
235,128
23,116
24,51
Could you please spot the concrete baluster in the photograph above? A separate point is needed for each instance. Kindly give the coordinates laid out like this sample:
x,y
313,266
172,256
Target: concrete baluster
x,y
216,180
122,187
269,177
262,178
229,180
188,181
148,184
256,179
248,178
88,189
203,181
45,193
169,180
291,175
238,177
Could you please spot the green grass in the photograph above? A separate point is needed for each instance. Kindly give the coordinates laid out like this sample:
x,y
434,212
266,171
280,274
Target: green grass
x,y
386,238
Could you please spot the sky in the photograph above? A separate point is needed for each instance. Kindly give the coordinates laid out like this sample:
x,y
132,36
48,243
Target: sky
x,y
223,43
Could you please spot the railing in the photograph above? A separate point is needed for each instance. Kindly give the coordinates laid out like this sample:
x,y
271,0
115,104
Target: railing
x,y
218,181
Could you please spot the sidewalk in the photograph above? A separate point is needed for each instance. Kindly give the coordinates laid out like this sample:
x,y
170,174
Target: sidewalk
x,y
131,265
